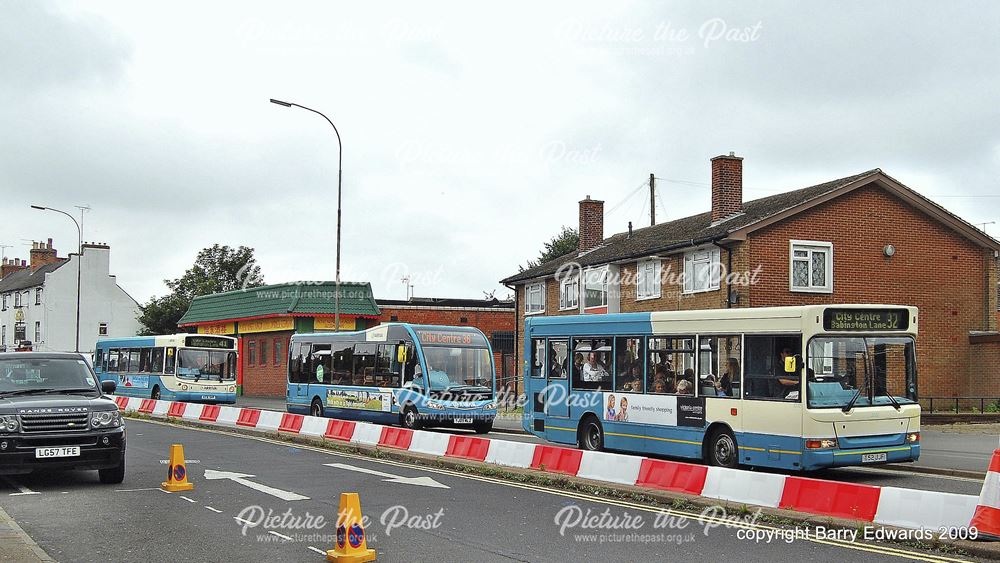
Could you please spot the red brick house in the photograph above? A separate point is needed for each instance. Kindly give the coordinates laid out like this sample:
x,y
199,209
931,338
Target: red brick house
x,y
864,238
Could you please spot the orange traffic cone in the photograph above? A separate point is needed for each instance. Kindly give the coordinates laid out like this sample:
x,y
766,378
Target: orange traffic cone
x,y
987,517
177,479
352,547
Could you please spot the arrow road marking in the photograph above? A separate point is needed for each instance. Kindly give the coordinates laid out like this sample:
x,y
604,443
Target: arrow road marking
x,y
421,481
243,479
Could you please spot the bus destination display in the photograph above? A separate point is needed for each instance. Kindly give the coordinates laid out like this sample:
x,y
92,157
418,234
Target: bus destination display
x,y
208,342
866,319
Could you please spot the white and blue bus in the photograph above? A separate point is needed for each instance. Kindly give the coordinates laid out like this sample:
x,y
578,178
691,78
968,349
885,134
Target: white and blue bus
x,y
180,367
795,388
397,373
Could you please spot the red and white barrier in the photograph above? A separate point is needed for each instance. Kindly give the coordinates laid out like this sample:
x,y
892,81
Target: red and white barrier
x,y
906,508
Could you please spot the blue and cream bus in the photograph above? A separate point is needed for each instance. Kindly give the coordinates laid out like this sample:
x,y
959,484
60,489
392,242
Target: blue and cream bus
x,y
397,373
180,367
796,388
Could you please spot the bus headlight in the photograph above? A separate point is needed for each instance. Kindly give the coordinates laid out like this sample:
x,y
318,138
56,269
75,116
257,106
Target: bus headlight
x,y
435,406
489,406
232,389
9,424
821,444
913,438
105,419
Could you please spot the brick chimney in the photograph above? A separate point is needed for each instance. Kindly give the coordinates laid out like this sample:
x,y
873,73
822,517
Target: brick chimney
x,y
11,265
591,223
727,186
42,253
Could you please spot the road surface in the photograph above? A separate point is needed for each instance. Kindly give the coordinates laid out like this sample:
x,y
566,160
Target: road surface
x,y
415,513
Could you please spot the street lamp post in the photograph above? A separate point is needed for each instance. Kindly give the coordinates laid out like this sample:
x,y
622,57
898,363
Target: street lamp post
x,y
79,265
340,173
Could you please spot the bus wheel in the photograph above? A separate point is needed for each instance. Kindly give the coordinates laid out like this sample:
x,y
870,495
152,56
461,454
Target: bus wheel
x,y
483,427
722,449
409,418
316,408
591,435
155,395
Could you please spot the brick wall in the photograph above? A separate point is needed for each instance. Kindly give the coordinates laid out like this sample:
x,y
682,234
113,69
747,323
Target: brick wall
x,y
265,378
591,223
727,186
934,268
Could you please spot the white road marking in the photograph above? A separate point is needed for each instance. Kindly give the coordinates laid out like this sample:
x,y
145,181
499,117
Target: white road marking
x,y
215,510
24,490
317,550
243,479
421,481
191,500
137,490
282,536
242,521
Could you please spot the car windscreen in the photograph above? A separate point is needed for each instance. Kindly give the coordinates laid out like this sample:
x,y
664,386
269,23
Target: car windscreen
x,y
29,374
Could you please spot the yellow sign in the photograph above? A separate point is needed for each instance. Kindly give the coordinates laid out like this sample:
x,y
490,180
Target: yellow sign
x,y
328,323
222,328
19,315
267,325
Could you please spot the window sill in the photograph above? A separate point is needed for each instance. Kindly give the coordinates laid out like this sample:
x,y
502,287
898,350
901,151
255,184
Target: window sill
x,y
648,297
571,308
532,313
697,291
811,290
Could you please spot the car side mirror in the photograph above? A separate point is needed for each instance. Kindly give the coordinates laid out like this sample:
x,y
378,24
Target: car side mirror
x,y
108,387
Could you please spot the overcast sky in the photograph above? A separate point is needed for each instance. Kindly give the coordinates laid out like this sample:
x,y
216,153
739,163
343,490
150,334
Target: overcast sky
x,y
469,133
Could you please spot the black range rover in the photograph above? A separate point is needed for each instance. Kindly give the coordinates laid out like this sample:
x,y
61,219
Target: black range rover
x,y
54,415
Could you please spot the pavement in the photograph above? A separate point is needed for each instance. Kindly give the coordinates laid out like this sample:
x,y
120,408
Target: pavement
x,y
287,509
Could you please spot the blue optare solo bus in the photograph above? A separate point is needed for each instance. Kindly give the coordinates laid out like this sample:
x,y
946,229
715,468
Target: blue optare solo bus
x,y
398,373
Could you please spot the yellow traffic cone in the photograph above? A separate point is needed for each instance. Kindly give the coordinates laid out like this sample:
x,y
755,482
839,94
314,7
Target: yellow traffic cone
x,y
177,478
352,547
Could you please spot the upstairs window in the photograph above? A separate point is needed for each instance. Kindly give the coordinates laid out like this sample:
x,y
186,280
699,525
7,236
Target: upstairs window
x,y
595,291
5,296
811,267
702,270
102,329
647,279
569,293
38,296
17,298
534,298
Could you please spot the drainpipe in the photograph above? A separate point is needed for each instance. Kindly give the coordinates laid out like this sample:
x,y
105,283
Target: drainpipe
x,y
729,270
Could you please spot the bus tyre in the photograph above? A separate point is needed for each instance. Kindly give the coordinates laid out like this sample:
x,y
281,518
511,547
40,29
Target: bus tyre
x,y
155,395
482,427
591,435
722,449
113,475
409,418
316,408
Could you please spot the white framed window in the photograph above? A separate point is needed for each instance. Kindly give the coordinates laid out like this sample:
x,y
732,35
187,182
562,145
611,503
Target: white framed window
x,y
569,293
102,329
647,279
810,266
595,288
534,298
38,331
38,296
17,299
702,270
3,336
5,296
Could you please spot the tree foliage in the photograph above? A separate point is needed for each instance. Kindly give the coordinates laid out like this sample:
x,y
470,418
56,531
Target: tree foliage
x,y
216,269
568,240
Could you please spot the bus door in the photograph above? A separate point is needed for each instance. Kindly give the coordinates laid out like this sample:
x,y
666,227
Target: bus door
x,y
320,372
556,390
298,373
772,403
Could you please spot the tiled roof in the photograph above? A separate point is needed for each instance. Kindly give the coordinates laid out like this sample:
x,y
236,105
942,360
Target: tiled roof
x,y
688,231
23,279
356,299
447,302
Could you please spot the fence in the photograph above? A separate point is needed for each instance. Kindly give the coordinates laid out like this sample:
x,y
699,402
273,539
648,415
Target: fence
x,y
960,404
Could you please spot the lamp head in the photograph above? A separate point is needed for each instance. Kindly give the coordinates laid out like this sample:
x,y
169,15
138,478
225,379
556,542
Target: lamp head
x,y
281,103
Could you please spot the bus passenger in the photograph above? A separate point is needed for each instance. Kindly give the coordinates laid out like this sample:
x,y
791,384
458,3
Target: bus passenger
x,y
593,370
788,383
684,387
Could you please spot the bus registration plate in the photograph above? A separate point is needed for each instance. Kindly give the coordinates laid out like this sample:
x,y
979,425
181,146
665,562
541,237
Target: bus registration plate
x,y
61,451
873,458
463,420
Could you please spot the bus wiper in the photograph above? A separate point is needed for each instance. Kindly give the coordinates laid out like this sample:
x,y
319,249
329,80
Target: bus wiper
x,y
854,399
893,400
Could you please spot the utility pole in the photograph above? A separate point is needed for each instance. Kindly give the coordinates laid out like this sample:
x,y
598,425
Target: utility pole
x,y
652,199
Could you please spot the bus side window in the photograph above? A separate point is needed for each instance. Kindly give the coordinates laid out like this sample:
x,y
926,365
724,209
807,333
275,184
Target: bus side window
x,y
537,356
294,362
99,360
764,375
156,361
171,360
144,360
558,362
629,356
591,363
364,364
343,362
321,364
112,363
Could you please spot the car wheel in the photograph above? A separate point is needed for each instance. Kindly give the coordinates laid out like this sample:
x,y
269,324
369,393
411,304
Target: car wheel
x,y
409,418
482,427
316,409
155,395
722,449
591,435
113,475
